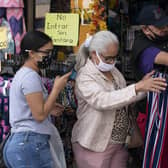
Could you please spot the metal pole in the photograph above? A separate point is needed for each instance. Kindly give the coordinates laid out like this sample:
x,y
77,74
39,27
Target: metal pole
x,y
30,14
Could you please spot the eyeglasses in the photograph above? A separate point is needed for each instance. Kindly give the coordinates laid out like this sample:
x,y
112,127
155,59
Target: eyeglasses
x,y
48,52
109,58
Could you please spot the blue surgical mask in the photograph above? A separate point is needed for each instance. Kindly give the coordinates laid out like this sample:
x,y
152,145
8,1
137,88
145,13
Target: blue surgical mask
x,y
104,67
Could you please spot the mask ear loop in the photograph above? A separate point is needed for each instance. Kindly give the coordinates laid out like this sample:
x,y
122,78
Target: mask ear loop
x,y
98,56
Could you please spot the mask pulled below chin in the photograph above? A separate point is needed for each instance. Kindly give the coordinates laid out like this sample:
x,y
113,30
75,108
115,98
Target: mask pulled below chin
x,y
104,67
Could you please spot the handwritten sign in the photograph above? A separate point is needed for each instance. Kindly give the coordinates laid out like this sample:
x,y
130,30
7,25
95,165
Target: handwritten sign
x,y
63,28
3,38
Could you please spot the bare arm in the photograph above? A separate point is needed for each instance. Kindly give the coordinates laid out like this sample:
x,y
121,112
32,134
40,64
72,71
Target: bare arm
x,y
162,58
40,108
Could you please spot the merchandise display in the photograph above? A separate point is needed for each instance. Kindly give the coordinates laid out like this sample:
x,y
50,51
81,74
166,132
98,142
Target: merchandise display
x,y
117,16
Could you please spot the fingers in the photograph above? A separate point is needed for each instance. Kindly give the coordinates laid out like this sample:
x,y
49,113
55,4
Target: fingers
x,y
60,82
67,75
59,105
158,84
57,77
154,90
61,109
57,112
150,73
159,88
159,79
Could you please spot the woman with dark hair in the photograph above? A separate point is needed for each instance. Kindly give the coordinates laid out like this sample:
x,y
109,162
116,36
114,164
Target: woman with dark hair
x,y
31,141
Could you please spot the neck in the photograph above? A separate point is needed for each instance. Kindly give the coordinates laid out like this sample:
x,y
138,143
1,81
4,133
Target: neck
x,y
108,75
31,65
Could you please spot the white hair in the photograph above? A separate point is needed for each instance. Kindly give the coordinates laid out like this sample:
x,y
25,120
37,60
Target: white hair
x,y
99,42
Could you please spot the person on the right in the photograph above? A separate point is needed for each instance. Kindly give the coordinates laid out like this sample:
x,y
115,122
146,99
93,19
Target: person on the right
x,y
150,52
164,4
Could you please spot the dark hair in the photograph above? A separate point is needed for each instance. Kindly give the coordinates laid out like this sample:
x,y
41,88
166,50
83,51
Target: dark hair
x,y
33,40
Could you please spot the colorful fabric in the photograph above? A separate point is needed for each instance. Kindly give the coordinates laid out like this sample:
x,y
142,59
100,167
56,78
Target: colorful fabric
x,y
4,107
2,12
15,17
65,122
141,121
156,130
48,83
11,3
17,24
11,44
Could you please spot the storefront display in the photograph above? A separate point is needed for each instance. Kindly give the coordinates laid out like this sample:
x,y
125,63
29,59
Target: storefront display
x,y
15,17
95,15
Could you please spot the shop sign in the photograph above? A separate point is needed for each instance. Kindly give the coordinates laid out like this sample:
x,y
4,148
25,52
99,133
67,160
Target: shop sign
x,y
63,28
3,38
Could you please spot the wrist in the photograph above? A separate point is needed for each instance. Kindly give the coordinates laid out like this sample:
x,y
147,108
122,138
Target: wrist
x,y
138,87
56,88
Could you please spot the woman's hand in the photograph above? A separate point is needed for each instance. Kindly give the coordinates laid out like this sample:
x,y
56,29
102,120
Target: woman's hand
x,y
148,75
60,82
151,84
57,110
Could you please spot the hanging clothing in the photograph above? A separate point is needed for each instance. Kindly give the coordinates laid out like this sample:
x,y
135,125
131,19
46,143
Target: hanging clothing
x,y
10,41
15,18
13,3
156,130
4,107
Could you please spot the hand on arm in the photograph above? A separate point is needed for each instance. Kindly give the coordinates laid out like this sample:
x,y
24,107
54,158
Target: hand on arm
x,y
151,84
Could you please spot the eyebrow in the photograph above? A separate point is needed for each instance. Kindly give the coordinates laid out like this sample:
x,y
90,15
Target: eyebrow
x,y
50,49
109,56
45,51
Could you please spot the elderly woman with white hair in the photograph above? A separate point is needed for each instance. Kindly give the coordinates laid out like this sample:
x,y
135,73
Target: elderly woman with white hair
x,y
99,134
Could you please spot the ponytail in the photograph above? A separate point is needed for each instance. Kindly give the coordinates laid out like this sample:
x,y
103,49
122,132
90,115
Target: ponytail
x,y
82,56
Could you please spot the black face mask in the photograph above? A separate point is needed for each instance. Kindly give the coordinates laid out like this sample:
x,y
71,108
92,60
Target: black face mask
x,y
159,39
46,61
